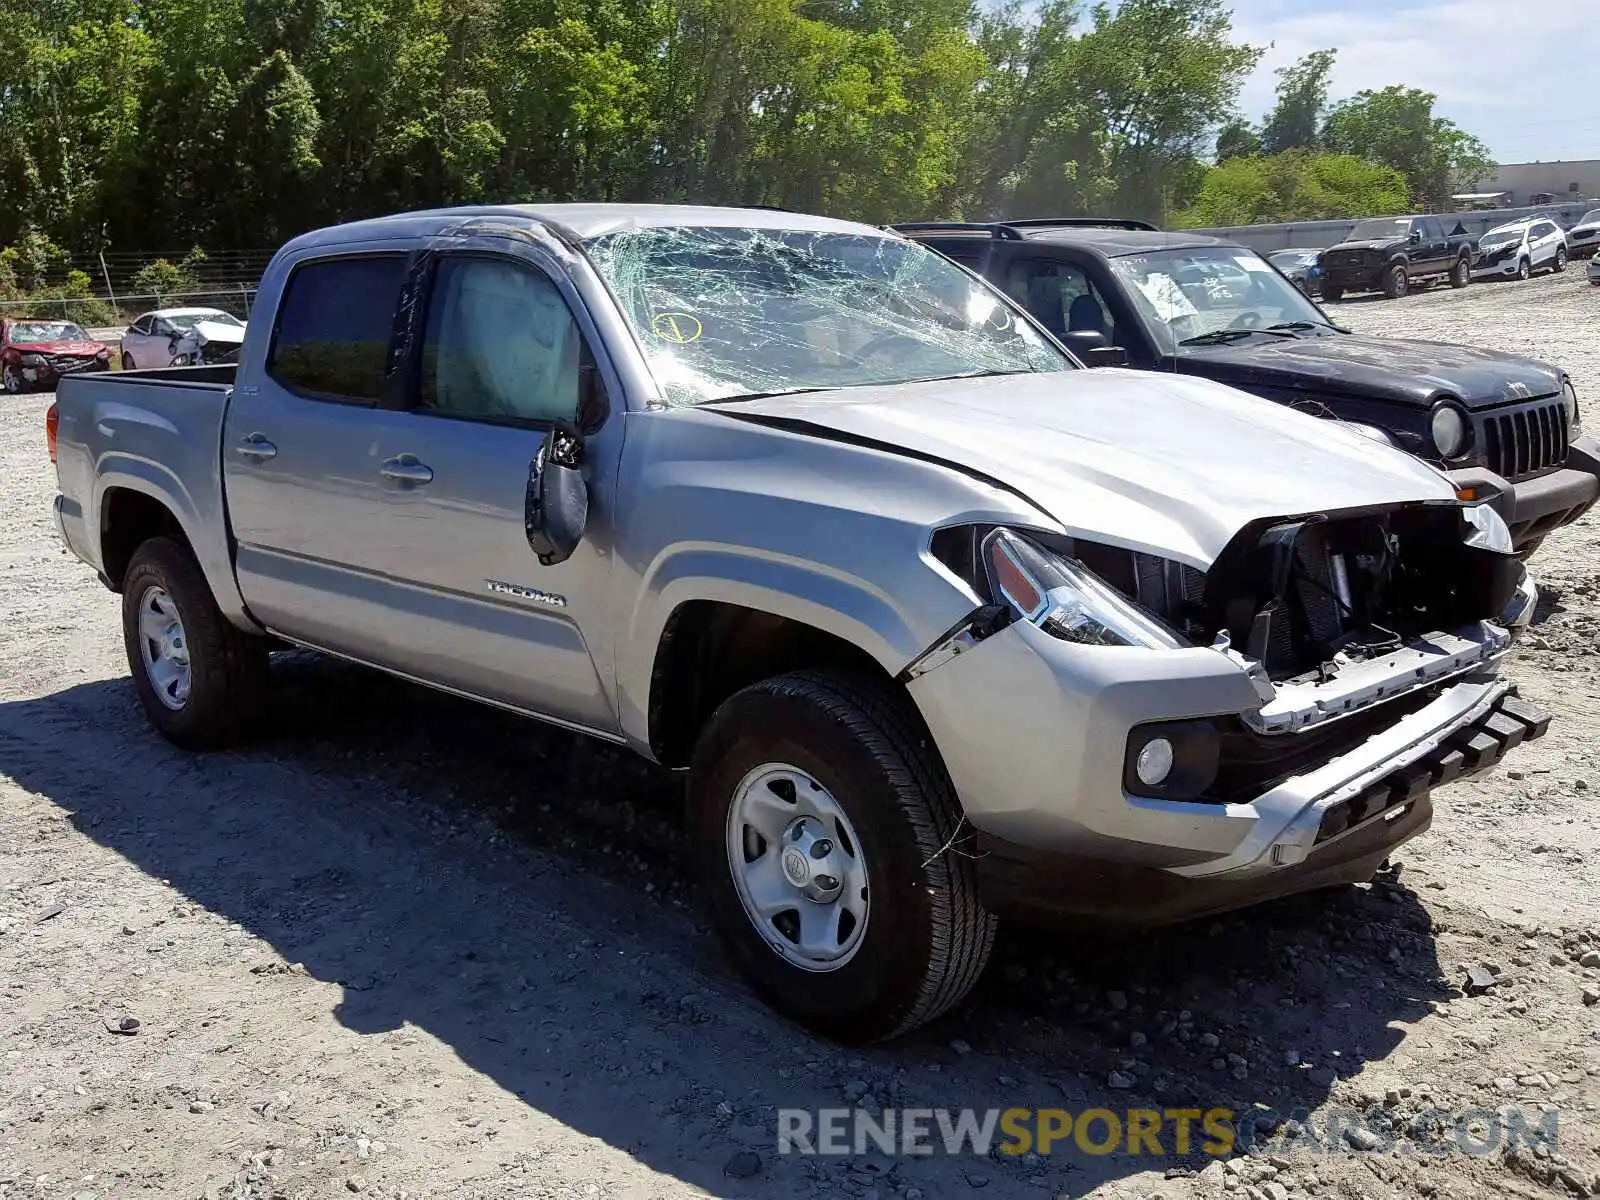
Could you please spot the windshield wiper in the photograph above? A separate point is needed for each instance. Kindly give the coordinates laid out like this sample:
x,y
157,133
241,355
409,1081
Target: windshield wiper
x,y
1221,337
799,391
1309,325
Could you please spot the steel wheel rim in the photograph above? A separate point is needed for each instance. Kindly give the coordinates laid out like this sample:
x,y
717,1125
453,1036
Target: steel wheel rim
x,y
13,381
164,648
798,867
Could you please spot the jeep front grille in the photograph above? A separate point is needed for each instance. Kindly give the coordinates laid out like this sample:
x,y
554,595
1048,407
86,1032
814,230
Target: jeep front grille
x,y
1524,441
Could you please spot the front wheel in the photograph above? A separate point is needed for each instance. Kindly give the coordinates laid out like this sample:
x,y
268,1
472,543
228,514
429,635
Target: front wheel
x,y
11,379
1461,273
202,681
827,841
1332,293
1396,282
1524,269
1560,264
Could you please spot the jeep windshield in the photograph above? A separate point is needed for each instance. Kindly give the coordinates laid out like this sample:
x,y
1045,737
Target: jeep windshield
x,y
1380,230
1214,295
1502,237
723,313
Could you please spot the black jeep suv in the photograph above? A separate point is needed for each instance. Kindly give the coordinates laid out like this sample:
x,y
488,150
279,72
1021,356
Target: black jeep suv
x,y
1122,293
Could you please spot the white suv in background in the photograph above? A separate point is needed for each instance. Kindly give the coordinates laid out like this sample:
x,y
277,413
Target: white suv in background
x,y
1583,239
1517,250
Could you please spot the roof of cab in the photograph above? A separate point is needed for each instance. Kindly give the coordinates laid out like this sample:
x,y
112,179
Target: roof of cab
x,y
580,221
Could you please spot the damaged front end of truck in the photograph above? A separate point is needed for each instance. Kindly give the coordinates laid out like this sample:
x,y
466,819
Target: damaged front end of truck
x,y
1175,741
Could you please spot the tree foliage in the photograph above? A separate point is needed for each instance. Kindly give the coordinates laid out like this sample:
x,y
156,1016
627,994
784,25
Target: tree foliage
x,y
1295,185
138,126
1396,127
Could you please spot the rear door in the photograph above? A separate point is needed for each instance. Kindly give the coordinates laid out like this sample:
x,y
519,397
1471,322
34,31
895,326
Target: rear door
x,y
1432,253
302,456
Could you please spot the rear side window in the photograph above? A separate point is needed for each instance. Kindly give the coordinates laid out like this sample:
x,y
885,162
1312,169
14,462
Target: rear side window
x,y
334,324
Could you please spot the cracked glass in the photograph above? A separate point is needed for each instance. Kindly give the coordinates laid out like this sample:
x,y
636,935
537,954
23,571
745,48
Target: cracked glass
x,y
724,313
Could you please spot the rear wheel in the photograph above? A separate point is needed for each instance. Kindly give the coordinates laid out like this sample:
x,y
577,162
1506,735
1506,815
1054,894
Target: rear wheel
x,y
1332,293
826,840
203,681
127,361
1396,282
1461,273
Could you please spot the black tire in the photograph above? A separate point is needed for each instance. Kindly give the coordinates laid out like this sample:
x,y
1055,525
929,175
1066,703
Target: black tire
x,y
1396,282
227,667
1560,263
1461,273
11,381
127,361
1528,549
1524,269
927,937
1332,293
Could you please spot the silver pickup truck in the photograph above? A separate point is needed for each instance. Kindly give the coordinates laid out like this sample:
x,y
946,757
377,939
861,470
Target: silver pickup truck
x,y
940,625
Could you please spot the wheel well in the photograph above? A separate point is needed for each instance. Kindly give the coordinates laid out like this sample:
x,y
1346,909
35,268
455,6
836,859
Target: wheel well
x,y
128,519
710,650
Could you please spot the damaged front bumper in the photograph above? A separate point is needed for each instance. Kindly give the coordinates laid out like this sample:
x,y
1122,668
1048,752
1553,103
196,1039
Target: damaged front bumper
x,y
1041,766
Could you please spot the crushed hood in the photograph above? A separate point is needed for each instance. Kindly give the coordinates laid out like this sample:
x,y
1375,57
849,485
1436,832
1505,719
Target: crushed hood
x,y
1393,369
1169,464
215,331
75,348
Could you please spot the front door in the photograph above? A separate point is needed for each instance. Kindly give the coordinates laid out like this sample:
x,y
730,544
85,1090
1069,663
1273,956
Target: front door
x,y
498,364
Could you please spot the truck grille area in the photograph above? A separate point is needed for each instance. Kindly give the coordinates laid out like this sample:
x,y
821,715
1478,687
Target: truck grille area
x,y
1297,593
1523,441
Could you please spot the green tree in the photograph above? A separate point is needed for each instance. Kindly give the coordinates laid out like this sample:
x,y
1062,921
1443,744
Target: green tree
x,y
1296,120
1238,139
1295,185
1396,127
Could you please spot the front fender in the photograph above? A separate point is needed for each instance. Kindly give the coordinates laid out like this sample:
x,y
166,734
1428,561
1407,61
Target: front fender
x,y
812,593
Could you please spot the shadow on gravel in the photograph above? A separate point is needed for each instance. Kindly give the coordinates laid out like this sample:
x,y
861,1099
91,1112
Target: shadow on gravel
x,y
515,892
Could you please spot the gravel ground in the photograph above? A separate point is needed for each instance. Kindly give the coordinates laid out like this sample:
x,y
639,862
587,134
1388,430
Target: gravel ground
x,y
407,946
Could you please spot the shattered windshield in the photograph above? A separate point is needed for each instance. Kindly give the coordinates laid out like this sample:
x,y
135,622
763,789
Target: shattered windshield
x,y
726,312
47,331
1192,296
187,321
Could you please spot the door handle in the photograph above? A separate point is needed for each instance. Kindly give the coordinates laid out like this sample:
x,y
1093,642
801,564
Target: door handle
x,y
257,447
405,468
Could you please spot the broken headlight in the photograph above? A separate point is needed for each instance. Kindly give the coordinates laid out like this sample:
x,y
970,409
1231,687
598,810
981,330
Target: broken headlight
x,y
1487,530
1061,597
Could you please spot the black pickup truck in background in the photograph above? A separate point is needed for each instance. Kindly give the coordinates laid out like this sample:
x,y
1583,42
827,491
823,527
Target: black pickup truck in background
x,y
1389,254
1123,293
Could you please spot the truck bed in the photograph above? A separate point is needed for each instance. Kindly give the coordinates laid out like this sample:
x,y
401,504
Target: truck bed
x,y
126,437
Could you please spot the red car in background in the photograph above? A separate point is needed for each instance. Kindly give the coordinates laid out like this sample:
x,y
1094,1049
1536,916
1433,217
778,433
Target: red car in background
x,y
36,351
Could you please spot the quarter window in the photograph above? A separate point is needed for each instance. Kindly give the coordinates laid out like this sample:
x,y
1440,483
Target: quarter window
x,y
334,324
501,345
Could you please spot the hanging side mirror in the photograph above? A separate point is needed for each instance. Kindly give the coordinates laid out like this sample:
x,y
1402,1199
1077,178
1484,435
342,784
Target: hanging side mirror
x,y
558,498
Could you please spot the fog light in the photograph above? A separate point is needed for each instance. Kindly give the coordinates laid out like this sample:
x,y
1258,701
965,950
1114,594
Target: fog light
x,y
1154,763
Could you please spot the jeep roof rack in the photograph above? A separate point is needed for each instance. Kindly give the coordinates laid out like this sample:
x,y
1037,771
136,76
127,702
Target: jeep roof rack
x,y
1012,230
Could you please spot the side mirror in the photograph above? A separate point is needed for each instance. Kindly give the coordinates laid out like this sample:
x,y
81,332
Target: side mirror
x,y
1416,236
557,507
1106,356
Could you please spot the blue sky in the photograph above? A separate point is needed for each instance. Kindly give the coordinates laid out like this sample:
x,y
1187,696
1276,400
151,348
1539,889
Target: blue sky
x,y
1521,74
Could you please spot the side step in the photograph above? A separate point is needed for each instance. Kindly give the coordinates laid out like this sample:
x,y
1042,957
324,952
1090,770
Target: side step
x,y
1472,748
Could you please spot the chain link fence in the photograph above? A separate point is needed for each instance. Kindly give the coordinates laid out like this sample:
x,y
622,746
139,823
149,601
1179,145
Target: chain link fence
x,y
108,315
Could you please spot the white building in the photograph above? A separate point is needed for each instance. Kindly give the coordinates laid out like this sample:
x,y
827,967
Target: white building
x,y
1568,182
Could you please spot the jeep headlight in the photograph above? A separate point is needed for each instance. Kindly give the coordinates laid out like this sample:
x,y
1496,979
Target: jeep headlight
x,y
1487,530
1449,430
1064,599
1569,399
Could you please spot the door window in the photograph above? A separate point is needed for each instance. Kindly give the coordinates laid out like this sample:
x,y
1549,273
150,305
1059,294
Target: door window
x,y
331,341
1061,297
501,345
142,325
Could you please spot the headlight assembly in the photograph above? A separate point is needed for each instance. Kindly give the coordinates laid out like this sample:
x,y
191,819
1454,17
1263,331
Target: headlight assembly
x,y
1064,599
1449,429
1486,530
1569,398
